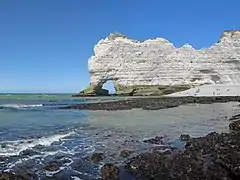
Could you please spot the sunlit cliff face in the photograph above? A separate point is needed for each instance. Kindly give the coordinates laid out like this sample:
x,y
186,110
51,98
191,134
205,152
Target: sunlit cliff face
x,y
157,62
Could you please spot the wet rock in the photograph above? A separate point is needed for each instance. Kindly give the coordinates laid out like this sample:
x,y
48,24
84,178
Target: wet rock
x,y
181,166
157,107
5,176
125,153
85,166
3,145
28,152
149,166
155,140
52,166
110,172
235,117
151,103
97,157
215,156
3,158
65,161
25,170
59,157
17,176
235,126
185,137
11,176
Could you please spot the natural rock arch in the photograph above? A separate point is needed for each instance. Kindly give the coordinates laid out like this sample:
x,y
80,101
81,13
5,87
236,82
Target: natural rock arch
x,y
156,66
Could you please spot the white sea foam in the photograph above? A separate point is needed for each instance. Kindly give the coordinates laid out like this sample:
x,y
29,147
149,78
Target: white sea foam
x,y
12,148
51,173
11,165
22,160
20,106
76,178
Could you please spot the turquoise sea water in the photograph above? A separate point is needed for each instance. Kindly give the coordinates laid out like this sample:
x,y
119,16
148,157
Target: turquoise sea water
x,y
35,132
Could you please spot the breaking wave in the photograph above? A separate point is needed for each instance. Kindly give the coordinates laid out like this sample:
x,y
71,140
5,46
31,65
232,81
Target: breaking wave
x,y
20,106
13,148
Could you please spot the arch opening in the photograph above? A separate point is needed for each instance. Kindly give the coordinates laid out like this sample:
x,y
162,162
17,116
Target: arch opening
x,y
109,85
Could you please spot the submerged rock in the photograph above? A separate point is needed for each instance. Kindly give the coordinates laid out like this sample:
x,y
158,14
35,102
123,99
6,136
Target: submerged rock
x,y
3,145
28,152
155,140
125,153
97,157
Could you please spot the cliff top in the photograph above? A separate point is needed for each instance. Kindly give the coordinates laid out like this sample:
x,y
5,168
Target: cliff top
x,y
116,35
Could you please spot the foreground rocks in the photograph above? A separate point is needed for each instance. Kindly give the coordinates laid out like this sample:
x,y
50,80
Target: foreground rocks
x,y
110,172
24,175
97,157
155,140
11,176
125,153
235,123
151,103
215,156
53,166
235,117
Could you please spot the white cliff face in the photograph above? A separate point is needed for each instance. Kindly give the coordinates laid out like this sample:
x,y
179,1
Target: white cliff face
x,y
158,62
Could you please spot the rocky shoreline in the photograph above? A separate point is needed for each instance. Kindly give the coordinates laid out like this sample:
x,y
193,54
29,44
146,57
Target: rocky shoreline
x,y
214,156
150,103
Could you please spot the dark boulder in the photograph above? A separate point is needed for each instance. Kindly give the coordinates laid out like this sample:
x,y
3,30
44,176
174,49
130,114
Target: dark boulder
x,y
97,157
110,172
155,140
234,126
214,156
235,117
149,166
17,176
28,152
185,137
52,166
125,153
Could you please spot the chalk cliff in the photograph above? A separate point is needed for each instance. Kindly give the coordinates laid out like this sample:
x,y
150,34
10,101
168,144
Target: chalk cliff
x,y
155,66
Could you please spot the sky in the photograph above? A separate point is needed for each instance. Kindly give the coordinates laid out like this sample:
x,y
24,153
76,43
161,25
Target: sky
x,y
45,44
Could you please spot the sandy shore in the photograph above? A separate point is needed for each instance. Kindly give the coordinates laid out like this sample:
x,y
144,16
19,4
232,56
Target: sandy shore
x,y
211,90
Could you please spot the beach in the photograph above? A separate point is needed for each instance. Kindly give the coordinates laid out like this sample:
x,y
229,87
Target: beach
x,y
40,138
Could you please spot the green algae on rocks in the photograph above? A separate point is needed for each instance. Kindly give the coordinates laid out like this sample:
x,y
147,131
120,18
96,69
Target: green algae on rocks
x,y
135,90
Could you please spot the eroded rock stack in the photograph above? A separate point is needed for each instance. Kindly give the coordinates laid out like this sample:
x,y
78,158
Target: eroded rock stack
x,y
155,66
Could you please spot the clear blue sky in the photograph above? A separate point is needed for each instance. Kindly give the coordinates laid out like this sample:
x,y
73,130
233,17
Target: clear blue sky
x,y
45,44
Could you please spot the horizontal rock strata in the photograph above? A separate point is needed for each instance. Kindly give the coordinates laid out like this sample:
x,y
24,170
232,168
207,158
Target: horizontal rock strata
x,y
156,67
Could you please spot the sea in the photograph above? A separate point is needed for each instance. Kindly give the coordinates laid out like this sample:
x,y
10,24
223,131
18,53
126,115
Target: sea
x,y
35,133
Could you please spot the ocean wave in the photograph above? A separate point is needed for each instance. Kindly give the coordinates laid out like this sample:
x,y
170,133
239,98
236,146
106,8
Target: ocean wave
x,y
20,106
13,148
